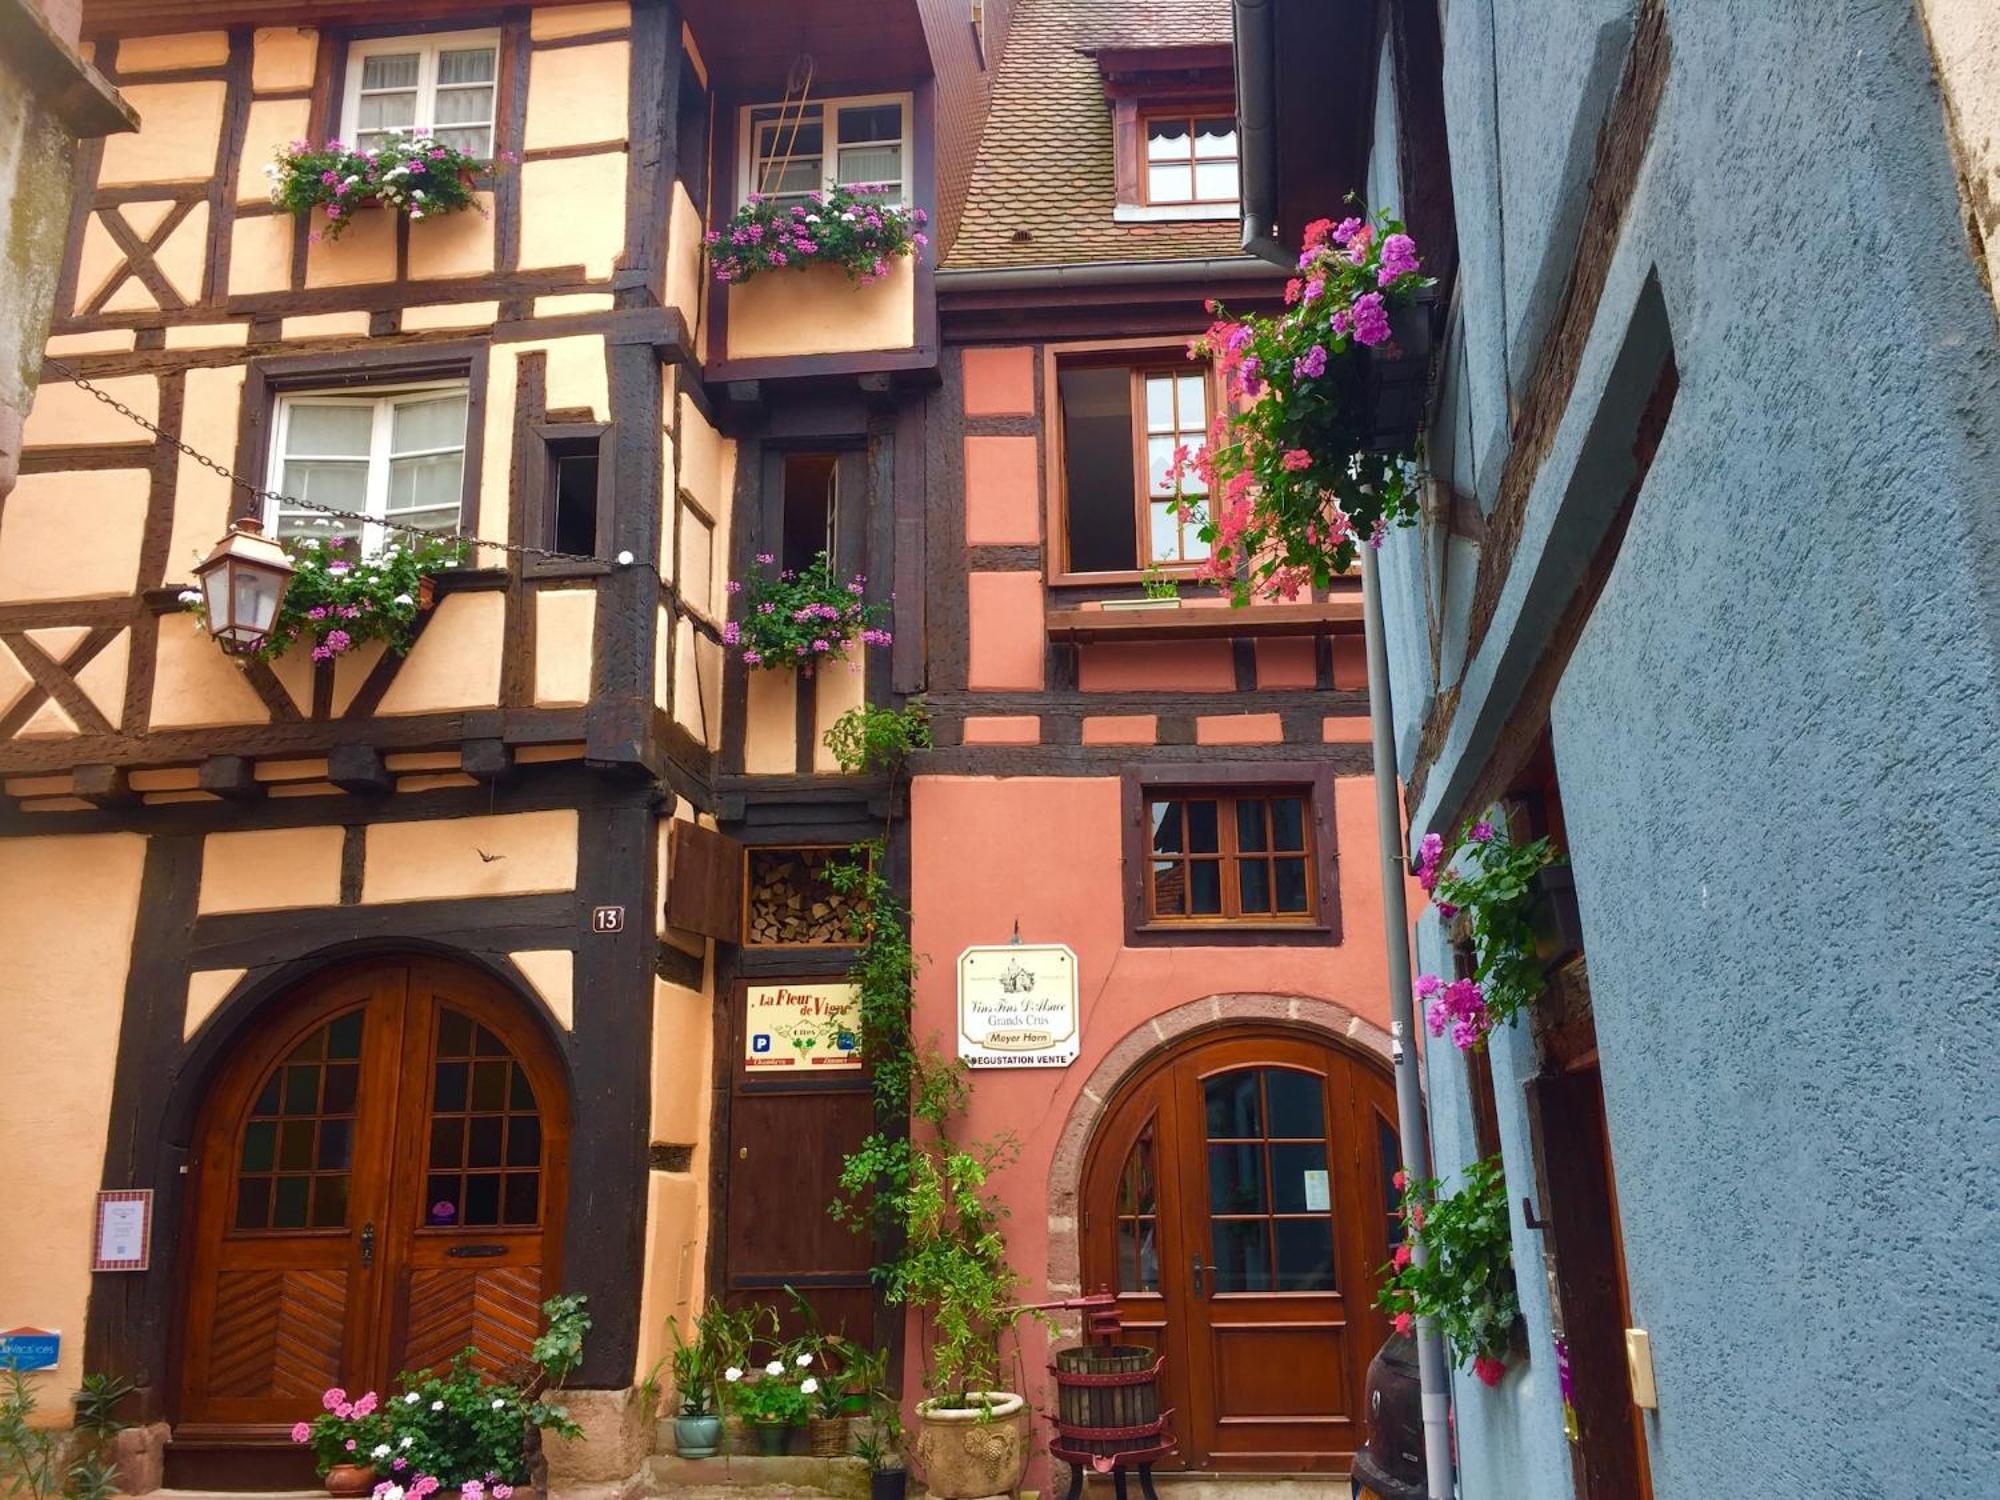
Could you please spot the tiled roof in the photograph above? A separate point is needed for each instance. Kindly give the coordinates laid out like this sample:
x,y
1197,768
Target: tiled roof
x,y
1046,168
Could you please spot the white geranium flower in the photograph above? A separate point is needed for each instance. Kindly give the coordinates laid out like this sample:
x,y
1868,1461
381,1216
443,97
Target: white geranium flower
x,y
407,1440
190,596
498,1404
775,1367
393,1492
808,1386
437,1406
803,1360
380,1450
411,1400
732,1374
405,600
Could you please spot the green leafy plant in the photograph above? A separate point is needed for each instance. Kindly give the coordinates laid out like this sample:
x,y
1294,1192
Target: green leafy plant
x,y
1491,879
846,226
881,1445
722,1340
868,738
1158,584
1465,1282
347,1432
339,600
414,174
459,1426
800,617
1288,485
42,1463
781,1395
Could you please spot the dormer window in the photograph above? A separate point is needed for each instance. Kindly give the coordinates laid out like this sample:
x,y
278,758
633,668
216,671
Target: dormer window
x,y
794,149
1174,127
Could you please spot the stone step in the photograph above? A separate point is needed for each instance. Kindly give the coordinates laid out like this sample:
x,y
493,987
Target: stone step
x,y
739,1477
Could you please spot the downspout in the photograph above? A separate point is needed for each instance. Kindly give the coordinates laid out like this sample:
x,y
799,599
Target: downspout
x,y
1256,121
1433,1374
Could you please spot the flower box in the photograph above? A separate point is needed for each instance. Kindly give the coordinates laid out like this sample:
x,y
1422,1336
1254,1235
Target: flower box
x,y
1139,604
1396,376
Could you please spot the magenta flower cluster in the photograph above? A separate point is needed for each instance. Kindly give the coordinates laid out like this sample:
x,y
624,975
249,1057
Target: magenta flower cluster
x,y
845,226
797,617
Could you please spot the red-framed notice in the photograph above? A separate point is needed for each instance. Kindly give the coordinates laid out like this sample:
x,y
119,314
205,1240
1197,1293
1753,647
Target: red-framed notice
x,y
124,1239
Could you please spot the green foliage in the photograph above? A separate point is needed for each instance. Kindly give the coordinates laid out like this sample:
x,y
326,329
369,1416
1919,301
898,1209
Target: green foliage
x,y
43,1463
413,174
338,600
799,617
846,226
1158,584
879,739
881,1446
1491,880
1466,1283
722,1339
560,1348
780,1395
884,972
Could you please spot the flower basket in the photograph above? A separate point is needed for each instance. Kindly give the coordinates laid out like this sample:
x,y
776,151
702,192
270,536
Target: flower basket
x,y
826,1437
845,226
1396,376
414,174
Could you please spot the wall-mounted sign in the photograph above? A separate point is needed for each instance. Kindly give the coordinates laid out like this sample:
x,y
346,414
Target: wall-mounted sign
x,y
1017,1006
801,1027
30,1348
607,919
124,1230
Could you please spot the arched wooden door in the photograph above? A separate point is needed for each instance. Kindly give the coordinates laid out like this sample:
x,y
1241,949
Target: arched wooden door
x,y
1234,1196
379,1181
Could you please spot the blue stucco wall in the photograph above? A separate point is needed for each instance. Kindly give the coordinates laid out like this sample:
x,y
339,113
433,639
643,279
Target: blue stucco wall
x,y
1777,741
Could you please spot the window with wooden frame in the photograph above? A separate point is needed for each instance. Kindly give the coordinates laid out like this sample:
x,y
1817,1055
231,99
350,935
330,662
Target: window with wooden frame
x,y
395,456
1246,854
1241,856
445,83
569,504
1191,158
791,150
1121,426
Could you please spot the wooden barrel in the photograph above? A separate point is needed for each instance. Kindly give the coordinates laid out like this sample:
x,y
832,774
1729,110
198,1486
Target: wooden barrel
x,y
1108,1402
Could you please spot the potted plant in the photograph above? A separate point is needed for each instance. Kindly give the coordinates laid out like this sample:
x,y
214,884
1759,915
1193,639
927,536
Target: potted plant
x,y
412,173
1494,882
338,600
775,1402
799,617
698,1367
1313,455
881,1448
1466,1282
348,1439
845,226
1158,589
827,1421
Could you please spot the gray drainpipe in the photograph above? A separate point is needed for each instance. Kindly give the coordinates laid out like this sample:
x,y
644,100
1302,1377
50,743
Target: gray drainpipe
x,y
1257,121
1433,1373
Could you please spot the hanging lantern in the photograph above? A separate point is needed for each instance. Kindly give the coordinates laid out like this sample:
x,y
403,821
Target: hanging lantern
x,y
242,584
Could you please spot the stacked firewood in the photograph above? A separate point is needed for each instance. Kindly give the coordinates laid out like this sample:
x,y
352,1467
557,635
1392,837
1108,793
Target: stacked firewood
x,y
791,903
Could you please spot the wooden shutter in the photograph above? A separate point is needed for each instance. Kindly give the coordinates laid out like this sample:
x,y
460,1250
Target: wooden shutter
x,y
704,881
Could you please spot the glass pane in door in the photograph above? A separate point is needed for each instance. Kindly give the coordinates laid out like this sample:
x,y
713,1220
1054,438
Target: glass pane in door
x,y
1270,1190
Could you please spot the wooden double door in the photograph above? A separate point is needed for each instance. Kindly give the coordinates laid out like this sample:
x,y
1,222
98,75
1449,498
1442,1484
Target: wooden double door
x,y
1236,1197
379,1181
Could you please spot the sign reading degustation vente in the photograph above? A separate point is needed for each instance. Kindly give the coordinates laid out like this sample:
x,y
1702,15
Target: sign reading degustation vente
x,y
1017,1006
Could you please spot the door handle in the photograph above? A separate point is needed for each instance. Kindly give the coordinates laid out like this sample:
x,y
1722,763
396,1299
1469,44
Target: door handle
x,y
1198,1268
368,1243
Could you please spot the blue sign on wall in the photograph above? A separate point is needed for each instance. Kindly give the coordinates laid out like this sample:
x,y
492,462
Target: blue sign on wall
x,y
30,1348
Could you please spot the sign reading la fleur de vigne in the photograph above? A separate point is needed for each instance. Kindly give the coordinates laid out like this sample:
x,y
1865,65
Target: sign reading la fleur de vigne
x,y
1017,1006
801,1028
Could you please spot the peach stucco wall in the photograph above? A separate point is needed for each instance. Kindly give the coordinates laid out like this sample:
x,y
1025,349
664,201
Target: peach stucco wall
x,y
68,907
1046,852
819,311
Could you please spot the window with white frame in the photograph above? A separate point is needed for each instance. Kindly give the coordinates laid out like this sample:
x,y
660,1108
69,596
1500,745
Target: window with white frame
x,y
445,84
790,150
392,456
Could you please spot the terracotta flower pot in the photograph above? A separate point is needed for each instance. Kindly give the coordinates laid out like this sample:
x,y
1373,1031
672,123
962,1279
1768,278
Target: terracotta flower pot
x,y
968,1452
348,1480
827,1437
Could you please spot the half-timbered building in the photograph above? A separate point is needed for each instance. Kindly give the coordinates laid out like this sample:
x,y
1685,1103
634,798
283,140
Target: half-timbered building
x,y
417,986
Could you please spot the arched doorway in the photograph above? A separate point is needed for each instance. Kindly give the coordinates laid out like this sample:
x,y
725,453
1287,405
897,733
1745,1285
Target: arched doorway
x,y
1236,1196
379,1176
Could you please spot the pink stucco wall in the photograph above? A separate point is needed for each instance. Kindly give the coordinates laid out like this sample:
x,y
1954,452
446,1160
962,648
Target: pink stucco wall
x,y
1047,851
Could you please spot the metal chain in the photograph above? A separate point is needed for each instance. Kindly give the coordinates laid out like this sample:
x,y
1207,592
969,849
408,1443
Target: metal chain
x,y
519,549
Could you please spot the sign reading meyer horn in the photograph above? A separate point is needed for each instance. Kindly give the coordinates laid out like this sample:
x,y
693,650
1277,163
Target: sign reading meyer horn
x,y
1017,1006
